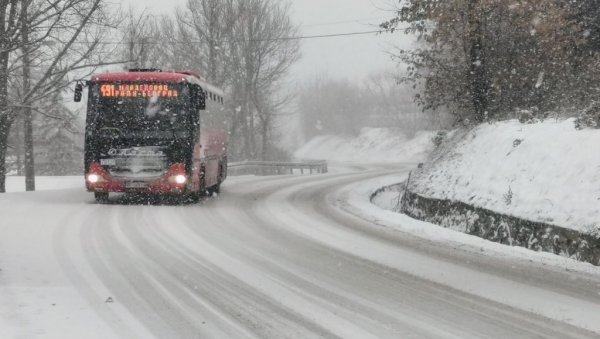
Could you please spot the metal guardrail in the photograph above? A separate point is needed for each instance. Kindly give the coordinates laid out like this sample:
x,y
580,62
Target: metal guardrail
x,y
276,168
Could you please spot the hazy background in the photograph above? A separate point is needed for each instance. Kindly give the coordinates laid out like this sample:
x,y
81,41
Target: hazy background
x,y
338,86
350,57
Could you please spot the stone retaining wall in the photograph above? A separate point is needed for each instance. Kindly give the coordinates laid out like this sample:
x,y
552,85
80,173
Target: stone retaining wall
x,y
502,228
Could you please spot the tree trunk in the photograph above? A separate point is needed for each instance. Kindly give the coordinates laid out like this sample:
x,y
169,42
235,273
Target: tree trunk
x,y
265,139
29,157
4,130
246,130
477,74
5,118
19,152
252,135
27,113
212,61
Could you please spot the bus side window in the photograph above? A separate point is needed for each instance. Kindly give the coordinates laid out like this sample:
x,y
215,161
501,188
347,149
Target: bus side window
x,y
198,98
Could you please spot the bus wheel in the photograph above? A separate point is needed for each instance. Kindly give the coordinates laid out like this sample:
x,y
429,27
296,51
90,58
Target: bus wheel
x,y
193,197
217,188
101,197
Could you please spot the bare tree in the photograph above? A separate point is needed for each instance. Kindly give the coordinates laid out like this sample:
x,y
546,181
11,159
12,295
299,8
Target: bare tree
x,y
262,54
9,42
208,23
56,38
243,47
27,111
141,35
340,107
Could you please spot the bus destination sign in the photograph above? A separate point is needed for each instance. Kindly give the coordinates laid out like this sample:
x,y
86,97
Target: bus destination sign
x,y
138,91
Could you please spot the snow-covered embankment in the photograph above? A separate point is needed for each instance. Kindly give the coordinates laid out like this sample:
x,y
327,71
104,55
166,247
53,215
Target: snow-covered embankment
x,y
531,185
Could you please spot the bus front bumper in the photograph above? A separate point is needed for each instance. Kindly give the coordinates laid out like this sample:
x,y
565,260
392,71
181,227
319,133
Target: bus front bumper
x,y
174,181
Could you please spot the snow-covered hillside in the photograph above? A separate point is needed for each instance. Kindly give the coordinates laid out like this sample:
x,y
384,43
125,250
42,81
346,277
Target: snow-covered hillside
x,y
547,172
372,145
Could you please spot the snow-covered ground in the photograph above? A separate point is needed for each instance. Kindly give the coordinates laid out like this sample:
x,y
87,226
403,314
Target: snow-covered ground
x,y
272,257
43,183
547,172
373,145
61,266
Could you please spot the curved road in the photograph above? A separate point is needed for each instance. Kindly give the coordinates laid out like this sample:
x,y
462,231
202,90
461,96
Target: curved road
x,y
272,257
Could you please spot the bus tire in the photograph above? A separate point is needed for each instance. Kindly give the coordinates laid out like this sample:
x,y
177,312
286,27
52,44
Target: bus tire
x,y
193,197
101,197
217,187
213,189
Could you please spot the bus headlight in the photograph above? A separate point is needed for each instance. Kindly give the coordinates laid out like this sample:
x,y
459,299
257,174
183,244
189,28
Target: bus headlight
x,y
180,179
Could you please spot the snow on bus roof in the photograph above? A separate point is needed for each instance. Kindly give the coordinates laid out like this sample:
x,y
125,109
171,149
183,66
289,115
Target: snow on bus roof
x,y
183,76
142,76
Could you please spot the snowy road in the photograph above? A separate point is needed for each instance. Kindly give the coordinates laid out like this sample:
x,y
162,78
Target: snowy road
x,y
273,257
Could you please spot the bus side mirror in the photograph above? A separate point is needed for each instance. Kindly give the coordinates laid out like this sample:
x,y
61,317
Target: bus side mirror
x,y
78,91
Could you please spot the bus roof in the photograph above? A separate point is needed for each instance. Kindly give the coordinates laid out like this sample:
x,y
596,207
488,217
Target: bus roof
x,y
157,76
146,76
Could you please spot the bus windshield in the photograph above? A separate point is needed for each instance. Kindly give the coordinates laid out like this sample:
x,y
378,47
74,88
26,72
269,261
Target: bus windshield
x,y
140,109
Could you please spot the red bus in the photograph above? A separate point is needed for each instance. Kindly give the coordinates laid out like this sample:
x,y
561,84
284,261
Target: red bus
x,y
149,131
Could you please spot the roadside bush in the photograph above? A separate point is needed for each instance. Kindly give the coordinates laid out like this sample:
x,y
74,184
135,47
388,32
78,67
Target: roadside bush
x,y
590,118
530,116
439,138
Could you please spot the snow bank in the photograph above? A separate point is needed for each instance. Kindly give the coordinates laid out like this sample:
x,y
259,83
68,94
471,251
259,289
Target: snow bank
x,y
546,172
381,145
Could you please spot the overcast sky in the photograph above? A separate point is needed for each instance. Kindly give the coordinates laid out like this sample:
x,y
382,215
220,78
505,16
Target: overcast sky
x,y
351,57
